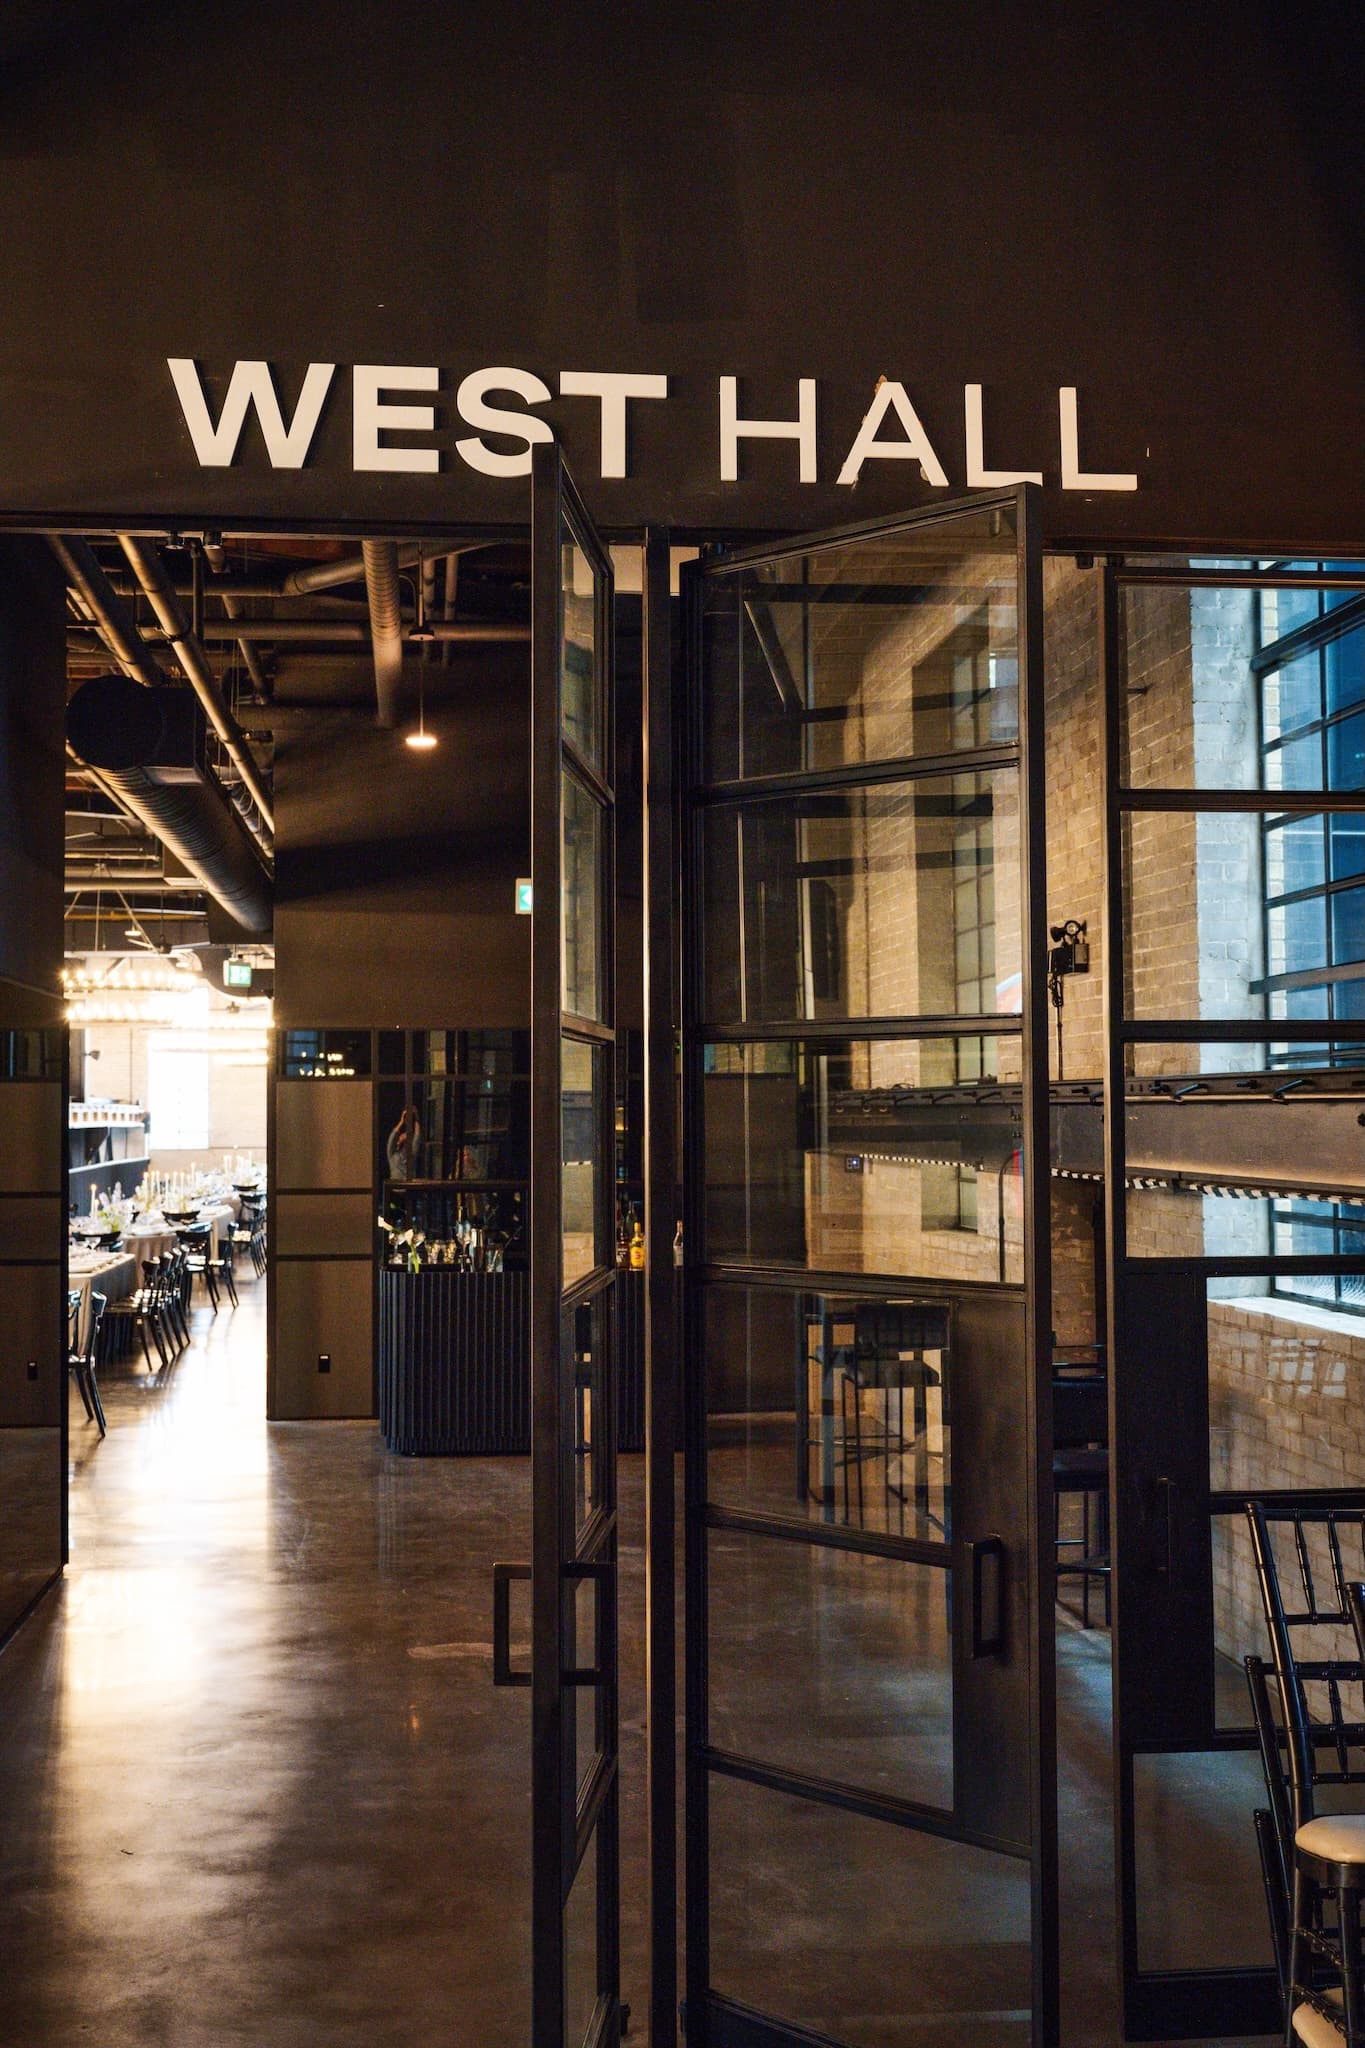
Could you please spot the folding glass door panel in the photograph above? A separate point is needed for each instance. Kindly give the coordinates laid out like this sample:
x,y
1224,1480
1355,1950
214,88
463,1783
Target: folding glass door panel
x,y
1235,1087
575,1907
869,1800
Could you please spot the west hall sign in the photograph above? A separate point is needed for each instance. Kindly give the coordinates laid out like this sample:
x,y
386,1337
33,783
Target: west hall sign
x,y
394,417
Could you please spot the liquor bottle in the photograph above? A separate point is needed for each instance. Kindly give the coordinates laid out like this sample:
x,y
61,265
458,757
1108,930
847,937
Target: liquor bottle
x,y
622,1234
637,1246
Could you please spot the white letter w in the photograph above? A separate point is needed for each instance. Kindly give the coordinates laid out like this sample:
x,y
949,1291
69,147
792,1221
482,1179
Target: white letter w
x,y
251,384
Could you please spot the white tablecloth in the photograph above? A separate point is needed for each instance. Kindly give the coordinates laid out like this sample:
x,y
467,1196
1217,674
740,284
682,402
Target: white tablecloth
x,y
150,1242
114,1275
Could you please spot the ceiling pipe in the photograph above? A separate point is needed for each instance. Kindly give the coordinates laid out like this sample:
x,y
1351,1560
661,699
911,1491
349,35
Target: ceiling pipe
x,y
386,624
354,632
260,683
150,571
116,624
354,569
151,747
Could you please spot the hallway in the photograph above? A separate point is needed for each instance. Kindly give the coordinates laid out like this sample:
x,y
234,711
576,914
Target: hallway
x,y
260,1791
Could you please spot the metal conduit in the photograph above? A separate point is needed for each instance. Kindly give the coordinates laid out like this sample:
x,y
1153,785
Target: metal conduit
x,y
150,571
354,632
233,607
386,624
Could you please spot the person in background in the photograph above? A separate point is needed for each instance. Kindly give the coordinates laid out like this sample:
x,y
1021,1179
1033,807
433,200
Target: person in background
x,y
404,1146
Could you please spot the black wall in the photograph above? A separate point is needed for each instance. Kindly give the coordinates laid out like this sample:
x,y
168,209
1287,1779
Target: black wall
x,y
1155,204
32,1098
396,871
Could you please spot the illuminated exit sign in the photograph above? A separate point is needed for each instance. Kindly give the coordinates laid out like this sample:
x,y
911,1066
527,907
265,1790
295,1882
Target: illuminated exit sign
x,y
523,895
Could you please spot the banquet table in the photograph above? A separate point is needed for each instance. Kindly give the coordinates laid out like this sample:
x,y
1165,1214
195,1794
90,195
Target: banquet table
x,y
112,1274
149,1240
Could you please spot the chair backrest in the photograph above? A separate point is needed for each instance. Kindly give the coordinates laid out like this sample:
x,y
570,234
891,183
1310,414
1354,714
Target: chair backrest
x,y
98,1304
1304,1580
1278,1852
1080,1411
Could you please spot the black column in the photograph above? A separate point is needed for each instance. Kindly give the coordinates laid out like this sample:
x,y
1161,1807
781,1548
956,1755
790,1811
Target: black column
x,y
32,1078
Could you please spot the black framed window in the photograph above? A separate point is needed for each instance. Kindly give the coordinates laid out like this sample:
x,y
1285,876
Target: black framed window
x,y
1311,663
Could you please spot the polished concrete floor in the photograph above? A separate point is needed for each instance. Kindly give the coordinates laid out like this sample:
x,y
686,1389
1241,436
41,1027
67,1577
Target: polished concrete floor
x,y
258,1790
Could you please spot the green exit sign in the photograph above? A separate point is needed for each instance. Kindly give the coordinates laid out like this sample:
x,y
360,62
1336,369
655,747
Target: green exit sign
x,y
237,974
523,895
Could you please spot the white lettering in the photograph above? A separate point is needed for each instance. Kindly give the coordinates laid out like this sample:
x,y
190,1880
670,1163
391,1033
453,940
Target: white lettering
x,y
250,384
613,388
733,428
373,417
1074,478
890,396
979,478
470,402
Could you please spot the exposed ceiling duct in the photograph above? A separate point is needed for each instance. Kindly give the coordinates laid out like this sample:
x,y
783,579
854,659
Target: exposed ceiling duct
x,y
150,745
386,624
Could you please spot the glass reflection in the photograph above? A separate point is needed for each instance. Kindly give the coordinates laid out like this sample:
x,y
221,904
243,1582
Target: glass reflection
x,y
580,1164
581,937
578,650
865,1156
872,650
832,1663
831,1408
897,901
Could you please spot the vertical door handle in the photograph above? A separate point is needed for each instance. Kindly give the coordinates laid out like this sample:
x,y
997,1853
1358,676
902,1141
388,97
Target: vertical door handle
x,y
988,1597
503,1575
1167,1489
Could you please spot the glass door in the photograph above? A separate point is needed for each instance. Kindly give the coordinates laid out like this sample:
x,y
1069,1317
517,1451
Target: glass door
x,y
574,1790
1235,1205
870,1804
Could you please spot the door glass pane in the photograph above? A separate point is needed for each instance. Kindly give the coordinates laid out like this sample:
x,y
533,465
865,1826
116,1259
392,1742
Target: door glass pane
x,y
578,652
580,1950
830,1408
581,1161
862,1157
1201,940
585,1651
1200,1899
871,650
582,836
897,901
584,1343
863,1931
832,1663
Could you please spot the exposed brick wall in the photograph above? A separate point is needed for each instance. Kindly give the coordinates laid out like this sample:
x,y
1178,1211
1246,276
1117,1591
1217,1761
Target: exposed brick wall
x,y
1283,1391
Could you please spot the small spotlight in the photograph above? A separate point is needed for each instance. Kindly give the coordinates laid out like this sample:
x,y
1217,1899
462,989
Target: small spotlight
x,y
420,740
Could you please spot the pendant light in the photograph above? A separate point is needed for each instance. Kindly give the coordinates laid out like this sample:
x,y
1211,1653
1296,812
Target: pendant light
x,y
420,740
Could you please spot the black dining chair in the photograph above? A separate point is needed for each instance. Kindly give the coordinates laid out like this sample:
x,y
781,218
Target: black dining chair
x,y
1305,1705
80,1358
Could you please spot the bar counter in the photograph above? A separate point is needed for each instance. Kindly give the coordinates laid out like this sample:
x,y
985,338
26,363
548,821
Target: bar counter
x,y
454,1362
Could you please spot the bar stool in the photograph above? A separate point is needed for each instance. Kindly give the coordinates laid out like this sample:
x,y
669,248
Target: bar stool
x,y
1080,1470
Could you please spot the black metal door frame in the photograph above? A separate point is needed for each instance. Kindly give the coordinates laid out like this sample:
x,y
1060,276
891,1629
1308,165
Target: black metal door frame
x,y
710,2018
573,1816
1162,1504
